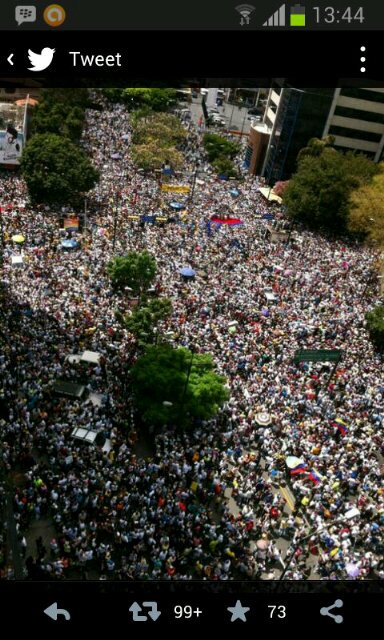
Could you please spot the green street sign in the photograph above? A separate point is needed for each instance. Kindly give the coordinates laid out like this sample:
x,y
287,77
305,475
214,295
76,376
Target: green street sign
x,y
318,355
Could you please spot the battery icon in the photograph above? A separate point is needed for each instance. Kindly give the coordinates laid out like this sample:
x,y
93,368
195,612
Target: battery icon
x,y
297,16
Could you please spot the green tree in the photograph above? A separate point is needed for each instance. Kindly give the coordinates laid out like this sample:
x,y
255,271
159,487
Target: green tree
x,y
164,128
225,167
70,97
216,147
318,194
154,99
136,270
60,111
143,322
316,146
60,118
375,326
152,156
186,382
367,210
56,170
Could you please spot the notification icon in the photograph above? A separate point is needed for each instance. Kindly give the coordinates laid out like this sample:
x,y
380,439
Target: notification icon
x,y
54,15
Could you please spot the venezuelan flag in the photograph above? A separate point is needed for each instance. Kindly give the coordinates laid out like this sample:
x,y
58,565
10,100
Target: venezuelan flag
x,y
301,468
341,426
312,475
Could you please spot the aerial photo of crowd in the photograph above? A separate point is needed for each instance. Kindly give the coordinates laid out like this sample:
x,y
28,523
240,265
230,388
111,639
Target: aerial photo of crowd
x,y
286,481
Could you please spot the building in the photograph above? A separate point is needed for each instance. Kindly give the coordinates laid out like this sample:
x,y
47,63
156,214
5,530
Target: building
x,y
356,119
354,116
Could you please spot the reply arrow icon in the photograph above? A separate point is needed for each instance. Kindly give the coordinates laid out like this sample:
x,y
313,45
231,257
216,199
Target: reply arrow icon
x,y
53,612
9,59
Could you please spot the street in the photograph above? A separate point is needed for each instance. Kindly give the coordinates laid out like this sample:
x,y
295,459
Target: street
x,y
235,117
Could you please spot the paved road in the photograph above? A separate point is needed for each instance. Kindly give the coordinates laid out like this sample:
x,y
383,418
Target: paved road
x,y
235,117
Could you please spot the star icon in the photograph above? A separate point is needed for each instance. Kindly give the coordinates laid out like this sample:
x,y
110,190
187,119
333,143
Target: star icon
x,y
238,612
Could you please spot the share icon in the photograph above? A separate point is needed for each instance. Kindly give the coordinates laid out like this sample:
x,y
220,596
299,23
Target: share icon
x,y
325,611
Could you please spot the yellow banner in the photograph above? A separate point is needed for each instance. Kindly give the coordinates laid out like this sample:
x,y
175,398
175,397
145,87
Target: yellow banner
x,y
175,188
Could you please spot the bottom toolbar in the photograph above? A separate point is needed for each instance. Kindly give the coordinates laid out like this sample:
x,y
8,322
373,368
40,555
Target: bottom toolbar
x,y
94,604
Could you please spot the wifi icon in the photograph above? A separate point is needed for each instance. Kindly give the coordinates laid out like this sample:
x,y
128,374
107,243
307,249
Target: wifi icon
x,y
245,11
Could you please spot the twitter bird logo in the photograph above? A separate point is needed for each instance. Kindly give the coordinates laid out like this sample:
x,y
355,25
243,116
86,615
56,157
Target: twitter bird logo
x,y
40,61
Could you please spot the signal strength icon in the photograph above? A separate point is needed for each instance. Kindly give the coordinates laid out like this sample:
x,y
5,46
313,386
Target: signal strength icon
x,y
277,19
245,11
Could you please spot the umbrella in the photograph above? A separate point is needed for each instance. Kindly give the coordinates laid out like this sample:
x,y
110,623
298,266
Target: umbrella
x,y
233,323
125,136
292,462
265,312
69,244
234,193
187,272
115,156
352,570
262,544
18,238
177,206
30,101
263,418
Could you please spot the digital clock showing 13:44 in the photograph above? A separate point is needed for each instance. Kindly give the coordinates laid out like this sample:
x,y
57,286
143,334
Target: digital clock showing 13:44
x,y
336,16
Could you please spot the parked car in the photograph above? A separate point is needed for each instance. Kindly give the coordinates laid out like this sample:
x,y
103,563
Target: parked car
x,y
255,118
255,111
217,122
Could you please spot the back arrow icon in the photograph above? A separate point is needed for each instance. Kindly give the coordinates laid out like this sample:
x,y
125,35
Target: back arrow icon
x,y
9,59
53,612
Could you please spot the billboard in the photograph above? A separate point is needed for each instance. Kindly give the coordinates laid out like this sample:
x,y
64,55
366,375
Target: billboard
x,y
11,147
175,188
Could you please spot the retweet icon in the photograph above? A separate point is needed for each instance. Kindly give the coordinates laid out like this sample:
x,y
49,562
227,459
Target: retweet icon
x,y
40,61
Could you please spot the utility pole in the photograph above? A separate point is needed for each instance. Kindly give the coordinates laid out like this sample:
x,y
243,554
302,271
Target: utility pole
x,y
114,223
85,215
2,238
187,379
193,184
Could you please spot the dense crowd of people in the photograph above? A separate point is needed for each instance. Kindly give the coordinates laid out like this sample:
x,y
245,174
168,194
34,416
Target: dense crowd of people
x,y
168,515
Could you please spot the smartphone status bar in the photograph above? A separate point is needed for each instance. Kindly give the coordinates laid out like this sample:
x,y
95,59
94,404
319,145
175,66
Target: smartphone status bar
x,y
353,15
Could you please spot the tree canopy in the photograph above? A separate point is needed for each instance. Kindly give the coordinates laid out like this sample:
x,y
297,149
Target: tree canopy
x,y
216,147
367,210
316,146
163,127
143,321
153,156
375,326
176,386
155,136
318,194
60,111
56,170
221,152
157,99
136,270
